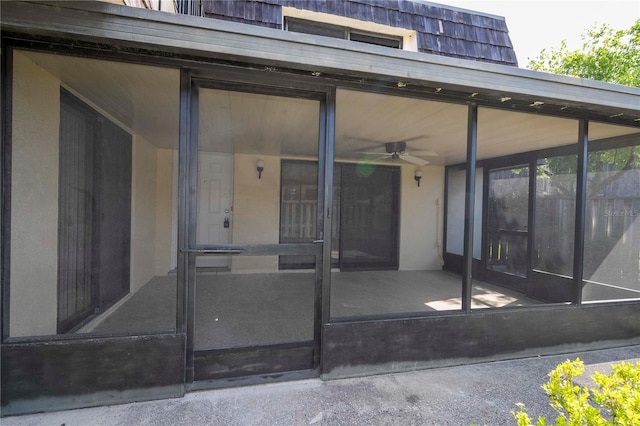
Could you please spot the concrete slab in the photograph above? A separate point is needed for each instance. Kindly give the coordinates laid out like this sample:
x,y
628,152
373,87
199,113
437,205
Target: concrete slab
x,y
479,394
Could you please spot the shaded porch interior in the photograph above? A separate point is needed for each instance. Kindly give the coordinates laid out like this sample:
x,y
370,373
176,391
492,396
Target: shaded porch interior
x,y
236,206
261,309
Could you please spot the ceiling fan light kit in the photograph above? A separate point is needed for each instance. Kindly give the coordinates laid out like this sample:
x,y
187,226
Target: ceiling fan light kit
x,y
395,147
398,151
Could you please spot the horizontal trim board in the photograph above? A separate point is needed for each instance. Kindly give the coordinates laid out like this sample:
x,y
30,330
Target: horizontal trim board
x,y
551,288
219,77
240,362
58,375
255,249
253,380
221,39
453,263
355,349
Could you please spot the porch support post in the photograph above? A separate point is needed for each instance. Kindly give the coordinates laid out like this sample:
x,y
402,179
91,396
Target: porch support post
x,y
328,133
470,191
6,102
187,179
581,207
183,147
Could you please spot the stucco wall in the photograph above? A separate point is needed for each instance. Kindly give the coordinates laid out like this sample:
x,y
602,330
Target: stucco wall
x,y
34,200
164,210
421,210
143,212
256,210
151,211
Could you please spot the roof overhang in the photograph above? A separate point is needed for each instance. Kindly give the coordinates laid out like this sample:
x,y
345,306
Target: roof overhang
x,y
508,87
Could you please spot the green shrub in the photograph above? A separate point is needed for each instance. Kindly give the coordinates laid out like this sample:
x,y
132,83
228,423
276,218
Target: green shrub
x,y
614,401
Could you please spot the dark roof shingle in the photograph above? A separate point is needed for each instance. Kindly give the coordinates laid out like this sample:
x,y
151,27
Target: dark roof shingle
x,y
465,34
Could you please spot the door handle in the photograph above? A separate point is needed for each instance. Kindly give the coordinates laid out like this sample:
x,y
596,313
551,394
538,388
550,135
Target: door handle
x,y
318,241
213,251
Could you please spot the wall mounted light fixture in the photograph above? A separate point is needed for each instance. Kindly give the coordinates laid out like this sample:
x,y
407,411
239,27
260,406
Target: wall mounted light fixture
x,y
260,168
417,176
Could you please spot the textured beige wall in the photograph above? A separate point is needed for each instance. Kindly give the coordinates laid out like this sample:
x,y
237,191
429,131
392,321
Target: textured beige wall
x,y
256,210
143,212
421,210
164,210
34,200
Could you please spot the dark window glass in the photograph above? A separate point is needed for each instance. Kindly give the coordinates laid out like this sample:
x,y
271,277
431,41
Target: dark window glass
x,y
328,30
396,43
507,219
315,28
298,210
365,222
94,225
368,216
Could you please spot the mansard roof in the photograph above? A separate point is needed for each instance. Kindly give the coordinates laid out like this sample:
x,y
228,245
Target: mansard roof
x,y
441,30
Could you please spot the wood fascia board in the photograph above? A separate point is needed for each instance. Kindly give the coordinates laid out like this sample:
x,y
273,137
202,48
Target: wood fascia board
x,y
205,37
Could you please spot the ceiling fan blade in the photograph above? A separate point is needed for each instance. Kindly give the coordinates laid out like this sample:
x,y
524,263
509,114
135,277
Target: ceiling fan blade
x,y
415,138
413,160
425,153
381,152
375,160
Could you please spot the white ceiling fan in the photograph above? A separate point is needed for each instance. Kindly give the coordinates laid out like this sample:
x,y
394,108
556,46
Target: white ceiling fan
x,y
398,151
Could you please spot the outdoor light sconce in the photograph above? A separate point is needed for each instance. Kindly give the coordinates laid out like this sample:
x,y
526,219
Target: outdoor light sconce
x,y
417,176
260,168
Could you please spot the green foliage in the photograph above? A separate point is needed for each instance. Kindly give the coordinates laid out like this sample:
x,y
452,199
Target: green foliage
x,y
604,167
618,393
606,55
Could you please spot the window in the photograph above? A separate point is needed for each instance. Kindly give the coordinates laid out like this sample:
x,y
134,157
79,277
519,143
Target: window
x,y
94,205
337,31
365,226
315,28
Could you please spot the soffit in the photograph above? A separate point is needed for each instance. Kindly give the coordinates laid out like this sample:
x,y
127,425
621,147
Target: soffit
x,y
145,100
142,99
175,36
249,123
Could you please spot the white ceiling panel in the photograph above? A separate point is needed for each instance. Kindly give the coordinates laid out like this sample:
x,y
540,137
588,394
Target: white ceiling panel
x,y
366,121
142,98
145,100
248,123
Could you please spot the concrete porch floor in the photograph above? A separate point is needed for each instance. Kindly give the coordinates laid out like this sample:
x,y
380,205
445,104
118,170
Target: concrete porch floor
x,y
256,309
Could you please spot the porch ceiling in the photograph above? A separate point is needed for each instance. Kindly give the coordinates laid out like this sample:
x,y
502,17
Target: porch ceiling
x,y
144,99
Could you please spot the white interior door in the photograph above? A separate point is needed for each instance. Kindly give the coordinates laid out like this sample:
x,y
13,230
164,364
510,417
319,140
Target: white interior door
x,y
215,205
